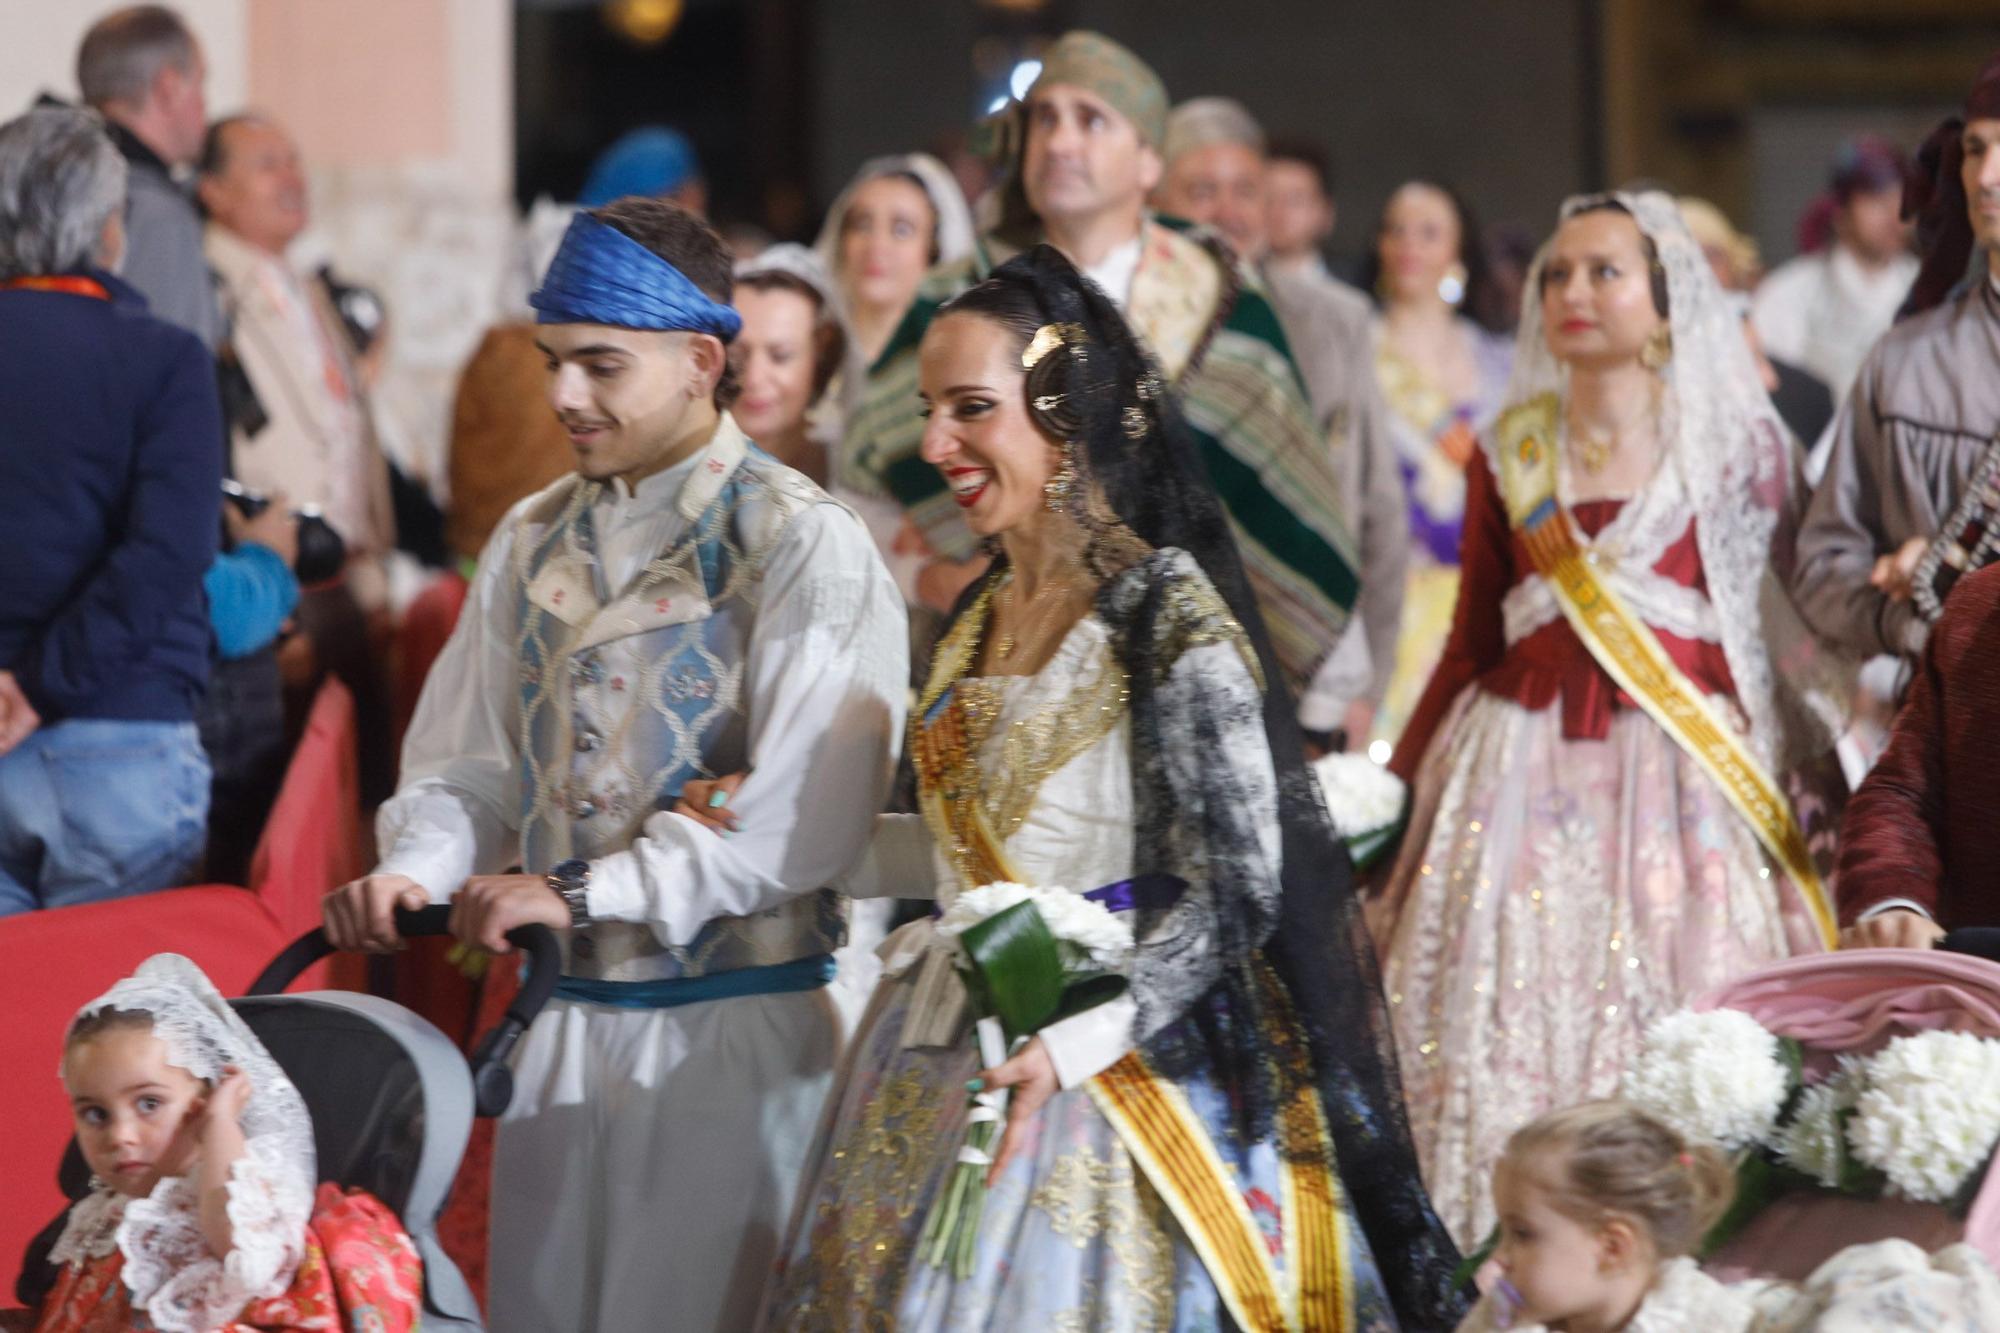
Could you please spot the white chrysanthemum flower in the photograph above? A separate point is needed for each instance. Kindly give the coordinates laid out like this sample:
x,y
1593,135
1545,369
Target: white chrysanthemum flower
x,y
1716,1077
1930,1113
1090,926
1361,795
1813,1142
975,905
1072,918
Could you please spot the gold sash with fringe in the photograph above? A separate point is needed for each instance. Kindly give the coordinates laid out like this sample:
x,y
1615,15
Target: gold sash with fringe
x,y
1632,656
1152,1116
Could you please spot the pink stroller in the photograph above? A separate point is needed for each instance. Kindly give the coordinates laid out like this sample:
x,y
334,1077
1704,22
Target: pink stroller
x,y
1858,1001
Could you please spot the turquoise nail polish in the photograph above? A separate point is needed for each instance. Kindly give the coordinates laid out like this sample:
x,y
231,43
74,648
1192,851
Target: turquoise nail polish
x,y
975,1085
717,801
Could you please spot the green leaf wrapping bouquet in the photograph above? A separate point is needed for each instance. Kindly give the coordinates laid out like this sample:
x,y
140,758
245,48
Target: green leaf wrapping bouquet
x,y
1030,957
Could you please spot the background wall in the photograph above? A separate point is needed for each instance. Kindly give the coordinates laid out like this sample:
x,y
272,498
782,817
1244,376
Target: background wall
x,y
38,41
1496,97
425,122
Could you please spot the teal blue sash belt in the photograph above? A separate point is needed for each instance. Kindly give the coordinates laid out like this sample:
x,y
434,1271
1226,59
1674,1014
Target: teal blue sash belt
x,y
801,974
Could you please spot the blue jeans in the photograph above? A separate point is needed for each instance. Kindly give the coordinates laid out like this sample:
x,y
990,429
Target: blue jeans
x,y
93,809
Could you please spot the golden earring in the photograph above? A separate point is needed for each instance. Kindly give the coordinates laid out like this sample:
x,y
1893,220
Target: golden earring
x,y
1659,349
1056,491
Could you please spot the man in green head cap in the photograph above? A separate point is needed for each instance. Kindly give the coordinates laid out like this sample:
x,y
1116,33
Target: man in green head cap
x,y
1083,153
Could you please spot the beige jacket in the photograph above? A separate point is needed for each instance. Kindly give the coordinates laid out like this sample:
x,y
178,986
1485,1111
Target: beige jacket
x,y
1327,324
1924,411
319,445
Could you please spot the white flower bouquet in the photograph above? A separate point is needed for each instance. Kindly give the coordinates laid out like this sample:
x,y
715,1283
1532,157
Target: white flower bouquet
x,y
1030,957
1366,801
1716,1076
1918,1119
1928,1113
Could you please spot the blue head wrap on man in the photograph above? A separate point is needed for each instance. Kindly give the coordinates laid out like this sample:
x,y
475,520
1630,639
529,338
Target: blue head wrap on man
x,y
602,276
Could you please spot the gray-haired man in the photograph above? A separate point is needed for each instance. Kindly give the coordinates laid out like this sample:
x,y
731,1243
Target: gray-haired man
x,y
142,69
1216,175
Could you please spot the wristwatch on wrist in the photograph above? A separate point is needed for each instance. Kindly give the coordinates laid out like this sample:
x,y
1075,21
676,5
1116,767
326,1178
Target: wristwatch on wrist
x,y
569,881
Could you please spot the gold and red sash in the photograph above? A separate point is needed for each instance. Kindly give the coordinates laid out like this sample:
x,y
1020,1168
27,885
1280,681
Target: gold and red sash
x,y
1632,656
1151,1115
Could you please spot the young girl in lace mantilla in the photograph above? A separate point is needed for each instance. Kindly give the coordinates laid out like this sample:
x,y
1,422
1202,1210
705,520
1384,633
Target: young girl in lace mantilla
x,y
202,1213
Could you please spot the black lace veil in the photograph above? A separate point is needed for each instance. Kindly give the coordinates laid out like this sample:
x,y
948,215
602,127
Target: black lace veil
x,y
1146,489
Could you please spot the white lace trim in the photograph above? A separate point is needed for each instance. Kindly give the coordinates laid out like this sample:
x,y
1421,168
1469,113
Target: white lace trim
x,y
1665,605
174,1277
92,1229
1624,553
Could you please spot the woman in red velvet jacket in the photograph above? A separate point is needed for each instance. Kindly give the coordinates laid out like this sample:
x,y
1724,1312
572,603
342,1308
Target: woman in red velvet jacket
x,y
1572,869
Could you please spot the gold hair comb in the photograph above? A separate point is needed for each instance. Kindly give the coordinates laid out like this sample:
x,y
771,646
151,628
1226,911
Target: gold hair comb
x,y
1047,338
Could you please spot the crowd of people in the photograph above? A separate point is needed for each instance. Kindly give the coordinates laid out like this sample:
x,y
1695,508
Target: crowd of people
x,y
828,604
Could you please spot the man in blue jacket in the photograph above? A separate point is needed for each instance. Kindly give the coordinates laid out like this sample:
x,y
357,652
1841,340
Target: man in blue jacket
x,y
110,482
142,68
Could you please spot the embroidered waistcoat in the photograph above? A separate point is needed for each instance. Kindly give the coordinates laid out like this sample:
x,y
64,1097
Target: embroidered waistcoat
x,y
627,694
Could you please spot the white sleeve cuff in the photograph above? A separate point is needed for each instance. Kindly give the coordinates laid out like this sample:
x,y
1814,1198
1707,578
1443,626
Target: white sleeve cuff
x,y
617,889
432,835
1084,1045
896,863
1896,905
1342,678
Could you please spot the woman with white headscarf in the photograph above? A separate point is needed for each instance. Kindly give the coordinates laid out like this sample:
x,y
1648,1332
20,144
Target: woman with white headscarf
x,y
898,218
1610,767
795,342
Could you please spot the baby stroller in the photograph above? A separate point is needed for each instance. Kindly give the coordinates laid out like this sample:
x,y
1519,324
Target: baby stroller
x,y
1857,1001
391,1097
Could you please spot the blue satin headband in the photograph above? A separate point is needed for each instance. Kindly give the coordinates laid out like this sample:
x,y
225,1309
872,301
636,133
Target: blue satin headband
x,y
602,276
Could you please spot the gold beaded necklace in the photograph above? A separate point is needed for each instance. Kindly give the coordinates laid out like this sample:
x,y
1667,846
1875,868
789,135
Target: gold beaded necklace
x,y
1027,626
1594,452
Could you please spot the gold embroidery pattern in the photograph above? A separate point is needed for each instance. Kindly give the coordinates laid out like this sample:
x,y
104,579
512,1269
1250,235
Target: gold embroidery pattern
x,y
1037,746
864,1240
1410,393
1196,616
942,750
967,820
955,652
1086,1197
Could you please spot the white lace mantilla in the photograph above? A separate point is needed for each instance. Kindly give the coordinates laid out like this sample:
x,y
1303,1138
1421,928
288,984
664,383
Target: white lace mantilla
x,y
176,1281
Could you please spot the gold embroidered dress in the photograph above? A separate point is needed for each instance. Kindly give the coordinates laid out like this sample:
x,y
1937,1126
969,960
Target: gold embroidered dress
x,y
1074,1235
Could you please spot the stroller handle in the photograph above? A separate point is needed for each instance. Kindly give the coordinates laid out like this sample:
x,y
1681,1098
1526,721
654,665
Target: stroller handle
x,y
1979,941
492,1079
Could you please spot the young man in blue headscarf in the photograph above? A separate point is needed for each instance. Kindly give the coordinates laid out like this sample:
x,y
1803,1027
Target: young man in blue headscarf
x,y
680,606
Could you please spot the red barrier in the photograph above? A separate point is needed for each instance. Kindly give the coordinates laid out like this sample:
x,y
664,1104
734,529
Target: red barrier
x,y
426,626
312,840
